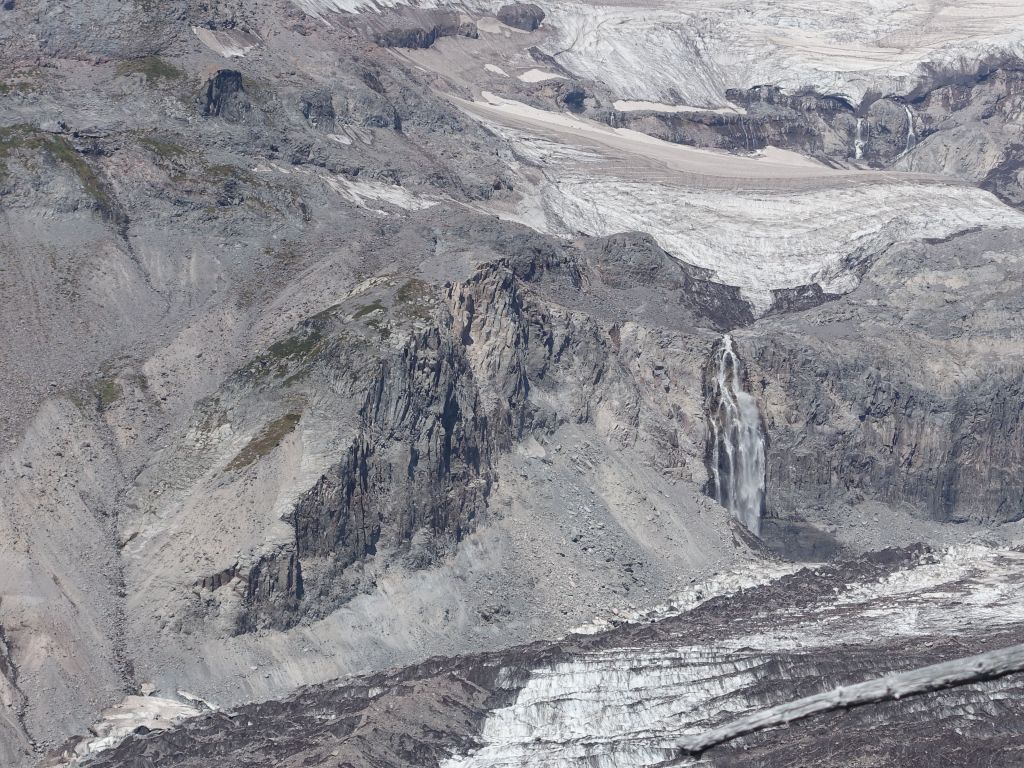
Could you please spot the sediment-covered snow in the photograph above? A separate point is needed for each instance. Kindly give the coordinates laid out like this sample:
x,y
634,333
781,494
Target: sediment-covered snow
x,y
720,585
364,192
653,106
229,43
539,76
117,722
359,192
626,706
761,240
323,8
657,155
771,221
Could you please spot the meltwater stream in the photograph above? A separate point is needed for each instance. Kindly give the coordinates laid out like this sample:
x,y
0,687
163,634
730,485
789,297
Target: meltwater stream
x,y
737,451
859,143
911,134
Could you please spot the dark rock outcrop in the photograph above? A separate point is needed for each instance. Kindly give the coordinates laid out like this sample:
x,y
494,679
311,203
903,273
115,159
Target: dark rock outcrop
x,y
422,462
416,478
273,591
416,28
928,414
800,298
14,741
318,109
525,16
972,113
634,259
953,456
811,123
438,407
225,96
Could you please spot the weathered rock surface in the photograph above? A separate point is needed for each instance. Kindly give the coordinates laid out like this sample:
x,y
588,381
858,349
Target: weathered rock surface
x,y
324,356
525,16
415,28
225,96
922,409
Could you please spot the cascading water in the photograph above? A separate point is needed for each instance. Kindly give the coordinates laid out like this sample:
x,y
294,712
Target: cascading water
x,y
737,451
858,142
911,136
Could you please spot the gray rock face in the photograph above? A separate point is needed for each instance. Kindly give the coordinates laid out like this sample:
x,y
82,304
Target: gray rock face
x,y
416,28
225,96
421,463
311,367
811,123
85,30
897,417
525,16
965,128
318,109
441,404
14,746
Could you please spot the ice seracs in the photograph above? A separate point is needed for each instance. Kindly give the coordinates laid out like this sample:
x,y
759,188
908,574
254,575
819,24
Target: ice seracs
x,y
695,52
624,706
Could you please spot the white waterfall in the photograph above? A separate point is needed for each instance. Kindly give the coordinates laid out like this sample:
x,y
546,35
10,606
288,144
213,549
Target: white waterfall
x,y
911,136
858,142
737,448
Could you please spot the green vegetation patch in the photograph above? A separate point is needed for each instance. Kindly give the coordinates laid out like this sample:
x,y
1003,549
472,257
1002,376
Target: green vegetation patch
x,y
108,392
368,309
266,441
298,349
155,69
26,137
415,300
165,150
299,346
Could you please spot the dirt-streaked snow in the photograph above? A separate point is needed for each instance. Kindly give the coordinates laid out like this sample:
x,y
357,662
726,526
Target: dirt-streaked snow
x,y
770,221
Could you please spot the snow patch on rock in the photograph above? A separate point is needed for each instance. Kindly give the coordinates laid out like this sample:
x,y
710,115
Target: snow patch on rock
x,y
539,76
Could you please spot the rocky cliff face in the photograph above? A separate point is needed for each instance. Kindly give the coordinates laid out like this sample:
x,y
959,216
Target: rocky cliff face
x,y
14,746
483,365
330,344
962,124
413,482
917,414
